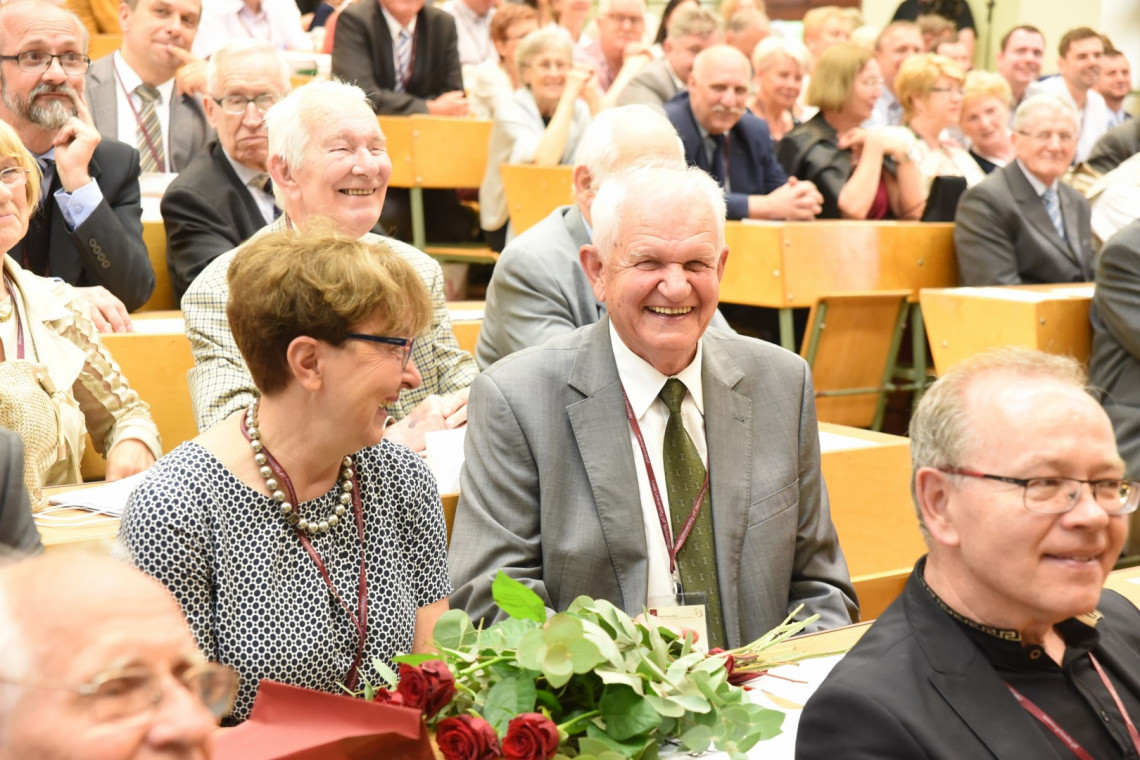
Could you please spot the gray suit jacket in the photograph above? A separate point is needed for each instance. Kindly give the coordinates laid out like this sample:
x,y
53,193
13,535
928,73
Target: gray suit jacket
x,y
1114,368
652,86
549,487
1003,235
189,130
17,529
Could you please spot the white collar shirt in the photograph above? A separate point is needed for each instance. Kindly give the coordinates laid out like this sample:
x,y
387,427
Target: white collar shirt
x,y
127,106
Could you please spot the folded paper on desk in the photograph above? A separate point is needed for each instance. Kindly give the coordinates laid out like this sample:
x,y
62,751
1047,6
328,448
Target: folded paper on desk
x,y
290,723
109,498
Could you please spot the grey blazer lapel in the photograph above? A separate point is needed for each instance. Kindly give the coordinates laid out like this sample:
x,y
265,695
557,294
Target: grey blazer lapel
x,y
601,432
102,98
728,434
1033,211
579,236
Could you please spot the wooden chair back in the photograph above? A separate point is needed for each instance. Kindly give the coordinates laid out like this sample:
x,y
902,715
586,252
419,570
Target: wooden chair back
x,y
534,191
163,299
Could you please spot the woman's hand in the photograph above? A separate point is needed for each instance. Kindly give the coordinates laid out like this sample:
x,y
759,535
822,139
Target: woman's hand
x,y
129,456
577,80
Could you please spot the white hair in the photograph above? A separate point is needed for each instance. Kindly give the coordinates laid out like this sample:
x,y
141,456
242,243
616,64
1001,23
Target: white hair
x,y
770,47
290,122
645,184
1033,106
242,48
598,150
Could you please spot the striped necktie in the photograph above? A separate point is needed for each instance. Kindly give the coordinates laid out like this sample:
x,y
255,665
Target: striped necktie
x,y
1053,207
684,475
151,154
403,59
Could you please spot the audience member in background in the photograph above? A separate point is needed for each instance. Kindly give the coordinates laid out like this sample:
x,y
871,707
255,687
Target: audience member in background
x,y
779,66
618,53
1022,225
823,27
473,27
1081,51
1115,84
277,22
541,125
256,523
539,289
57,381
17,528
1019,60
671,7
98,662
494,81
404,56
1115,146
1004,643
571,16
89,229
930,90
691,31
327,161
957,11
935,30
745,29
726,8
224,196
861,173
157,35
552,478
899,41
733,146
985,120
97,16
956,51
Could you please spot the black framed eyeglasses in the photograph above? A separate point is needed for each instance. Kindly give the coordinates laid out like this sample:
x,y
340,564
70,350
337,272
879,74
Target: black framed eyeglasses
x,y
39,61
1055,496
402,343
120,693
236,105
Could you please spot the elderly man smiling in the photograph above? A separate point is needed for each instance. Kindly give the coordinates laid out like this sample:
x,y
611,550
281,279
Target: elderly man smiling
x,y
1003,643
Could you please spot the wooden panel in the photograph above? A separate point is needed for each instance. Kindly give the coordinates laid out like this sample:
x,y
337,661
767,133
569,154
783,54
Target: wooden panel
x,y
154,236
876,591
467,333
534,191
398,133
754,272
102,45
449,152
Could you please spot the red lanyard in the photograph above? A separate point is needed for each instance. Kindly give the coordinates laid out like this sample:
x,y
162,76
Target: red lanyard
x,y
359,620
16,315
139,122
1061,733
666,532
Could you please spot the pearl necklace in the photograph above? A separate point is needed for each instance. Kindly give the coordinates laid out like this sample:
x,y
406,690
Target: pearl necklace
x,y
266,465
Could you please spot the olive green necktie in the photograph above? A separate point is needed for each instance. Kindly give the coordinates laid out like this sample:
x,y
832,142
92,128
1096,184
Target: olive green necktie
x,y
684,475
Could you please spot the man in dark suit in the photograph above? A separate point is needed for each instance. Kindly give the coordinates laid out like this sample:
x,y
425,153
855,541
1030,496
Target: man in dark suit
x,y
17,529
1004,643
124,88
722,137
1116,146
224,196
1021,224
88,229
405,57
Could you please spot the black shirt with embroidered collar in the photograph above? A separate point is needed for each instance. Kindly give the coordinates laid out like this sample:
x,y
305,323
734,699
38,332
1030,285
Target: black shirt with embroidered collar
x,y
1071,693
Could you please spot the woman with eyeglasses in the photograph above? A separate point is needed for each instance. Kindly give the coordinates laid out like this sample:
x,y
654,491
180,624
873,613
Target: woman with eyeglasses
x,y
300,544
862,174
57,380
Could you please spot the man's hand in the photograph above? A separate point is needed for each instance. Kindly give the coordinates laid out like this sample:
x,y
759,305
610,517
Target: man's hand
x,y
107,312
798,200
452,103
190,79
433,413
75,143
128,457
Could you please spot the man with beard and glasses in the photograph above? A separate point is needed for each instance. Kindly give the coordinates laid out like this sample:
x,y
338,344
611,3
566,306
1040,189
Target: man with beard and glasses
x,y
88,230
723,138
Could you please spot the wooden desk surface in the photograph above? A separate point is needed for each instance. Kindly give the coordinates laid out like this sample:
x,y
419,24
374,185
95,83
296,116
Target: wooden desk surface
x,y
963,322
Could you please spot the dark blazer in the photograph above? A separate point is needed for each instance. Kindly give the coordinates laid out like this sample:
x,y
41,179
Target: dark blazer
x,y
107,249
1114,368
17,529
1116,145
207,211
189,130
1003,235
752,166
362,54
915,686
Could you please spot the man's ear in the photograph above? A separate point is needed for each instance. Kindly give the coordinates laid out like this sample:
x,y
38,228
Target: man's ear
x,y
124,17
594,267
932,493
721,264
305,357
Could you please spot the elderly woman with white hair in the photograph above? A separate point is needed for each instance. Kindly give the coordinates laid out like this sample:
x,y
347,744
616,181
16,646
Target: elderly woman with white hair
x,y
541,125
779,66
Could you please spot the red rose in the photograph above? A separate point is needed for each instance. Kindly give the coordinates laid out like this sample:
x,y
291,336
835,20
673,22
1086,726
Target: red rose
x,y
414,686
467,737
388,697
530,736
442,684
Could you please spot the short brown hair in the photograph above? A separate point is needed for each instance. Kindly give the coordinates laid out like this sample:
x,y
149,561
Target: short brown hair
x,y
918,75
508,14
1076,35
1020,28
834,75
316,283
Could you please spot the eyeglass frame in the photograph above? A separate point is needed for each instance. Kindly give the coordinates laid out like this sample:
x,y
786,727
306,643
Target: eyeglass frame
x,y
1065,138
14,171
90,689
52,57
404,343
245,107
1134,487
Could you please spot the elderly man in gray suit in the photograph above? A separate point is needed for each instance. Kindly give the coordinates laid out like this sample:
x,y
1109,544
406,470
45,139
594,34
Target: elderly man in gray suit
x,y
133,94
646,459
1022,225
691,30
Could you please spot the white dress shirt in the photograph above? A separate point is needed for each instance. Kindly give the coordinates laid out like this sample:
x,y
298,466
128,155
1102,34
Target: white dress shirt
x,y
278,23
474,32
126,80
264,200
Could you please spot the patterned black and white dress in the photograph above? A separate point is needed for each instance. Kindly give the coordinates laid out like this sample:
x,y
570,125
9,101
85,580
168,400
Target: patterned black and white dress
x,y
255,599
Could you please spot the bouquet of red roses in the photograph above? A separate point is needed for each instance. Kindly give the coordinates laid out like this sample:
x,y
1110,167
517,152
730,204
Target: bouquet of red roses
x,y
589,682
